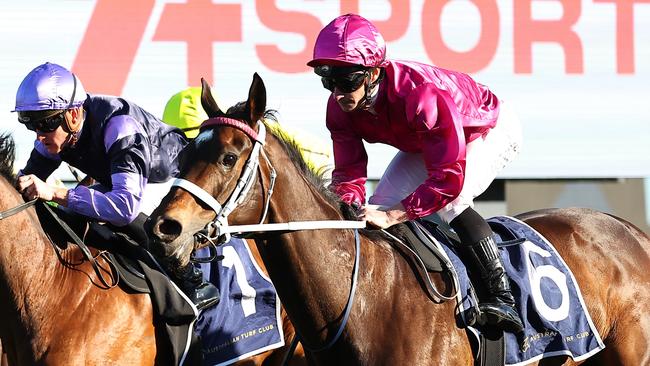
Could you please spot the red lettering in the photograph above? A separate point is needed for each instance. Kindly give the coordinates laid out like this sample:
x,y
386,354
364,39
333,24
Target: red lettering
x,y
391,29
527,31
624,34
288,21
470,61
199,23
110,44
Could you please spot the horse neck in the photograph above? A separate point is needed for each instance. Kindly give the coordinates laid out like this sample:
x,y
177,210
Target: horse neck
x,y
296,198
313,263
30,279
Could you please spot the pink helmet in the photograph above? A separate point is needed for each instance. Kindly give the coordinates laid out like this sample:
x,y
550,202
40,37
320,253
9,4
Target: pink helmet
x,y
349,40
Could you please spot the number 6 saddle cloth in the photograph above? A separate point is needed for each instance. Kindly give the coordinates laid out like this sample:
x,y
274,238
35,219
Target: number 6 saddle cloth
x,y
548,298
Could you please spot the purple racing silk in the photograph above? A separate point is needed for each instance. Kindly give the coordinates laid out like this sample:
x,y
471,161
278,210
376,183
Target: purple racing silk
x,y
119,206
123,148
47,87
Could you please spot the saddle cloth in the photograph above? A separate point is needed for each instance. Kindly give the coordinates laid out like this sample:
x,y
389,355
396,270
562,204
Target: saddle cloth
x,y
548,298
247,320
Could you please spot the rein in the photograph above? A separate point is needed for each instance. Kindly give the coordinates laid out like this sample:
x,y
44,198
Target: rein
x,y
218,229
17,209
114,280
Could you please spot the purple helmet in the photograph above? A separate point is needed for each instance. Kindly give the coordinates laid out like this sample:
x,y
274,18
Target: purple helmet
x,y
349,40
47,87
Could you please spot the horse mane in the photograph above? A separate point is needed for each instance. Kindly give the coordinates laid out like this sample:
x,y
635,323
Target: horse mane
x,y
7,156
292,148
316,178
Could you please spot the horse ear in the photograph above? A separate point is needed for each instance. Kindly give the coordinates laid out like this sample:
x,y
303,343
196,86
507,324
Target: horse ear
x,y
207,100
256,104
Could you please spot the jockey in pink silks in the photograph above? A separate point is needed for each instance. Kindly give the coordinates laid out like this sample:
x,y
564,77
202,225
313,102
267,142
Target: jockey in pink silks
x,y
454,136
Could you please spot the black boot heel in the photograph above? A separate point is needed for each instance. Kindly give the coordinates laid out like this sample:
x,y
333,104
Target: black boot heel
x,y
202,293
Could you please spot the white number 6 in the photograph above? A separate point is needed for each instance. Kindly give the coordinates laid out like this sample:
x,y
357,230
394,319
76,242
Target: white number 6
x,y
535,275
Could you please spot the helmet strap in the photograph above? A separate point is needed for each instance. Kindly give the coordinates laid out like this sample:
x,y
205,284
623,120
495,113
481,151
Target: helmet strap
x,y
371,90
73,126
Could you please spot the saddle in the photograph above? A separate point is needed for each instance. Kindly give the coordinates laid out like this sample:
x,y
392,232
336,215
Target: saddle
x,y
126,256
420,237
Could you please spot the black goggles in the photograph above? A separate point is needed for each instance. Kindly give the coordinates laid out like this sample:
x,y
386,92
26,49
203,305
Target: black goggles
x,y
46,121
37,123
345,83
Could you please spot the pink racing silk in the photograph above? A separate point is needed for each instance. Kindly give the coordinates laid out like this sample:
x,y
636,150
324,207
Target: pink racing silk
x,y
419,109
349,39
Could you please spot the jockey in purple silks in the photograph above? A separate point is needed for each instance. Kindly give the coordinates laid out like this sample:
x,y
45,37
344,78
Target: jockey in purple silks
x,y
454,136
129,152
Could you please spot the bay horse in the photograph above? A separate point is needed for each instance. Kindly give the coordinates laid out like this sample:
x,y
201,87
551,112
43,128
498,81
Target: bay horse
x,y
392,321
55,314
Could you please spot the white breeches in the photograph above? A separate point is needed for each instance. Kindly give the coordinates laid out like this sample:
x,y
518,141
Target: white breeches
x,y
485,158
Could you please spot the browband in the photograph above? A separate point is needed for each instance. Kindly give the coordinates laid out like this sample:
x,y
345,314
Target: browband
x,y
244,127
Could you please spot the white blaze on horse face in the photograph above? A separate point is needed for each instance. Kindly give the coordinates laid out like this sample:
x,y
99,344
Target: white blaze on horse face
x,y
203,137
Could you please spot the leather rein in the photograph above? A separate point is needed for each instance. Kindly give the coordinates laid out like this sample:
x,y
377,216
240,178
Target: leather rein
x,y
112,271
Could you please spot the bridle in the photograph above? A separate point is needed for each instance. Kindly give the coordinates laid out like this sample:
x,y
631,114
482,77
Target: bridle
x,y
218,231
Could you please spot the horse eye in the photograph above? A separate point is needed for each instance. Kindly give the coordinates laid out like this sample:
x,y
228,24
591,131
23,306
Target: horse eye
x,y
229,160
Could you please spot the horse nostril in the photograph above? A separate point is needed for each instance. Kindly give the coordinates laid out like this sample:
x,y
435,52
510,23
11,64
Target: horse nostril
x,y
168,229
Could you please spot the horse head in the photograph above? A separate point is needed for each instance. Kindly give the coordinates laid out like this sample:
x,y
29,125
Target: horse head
x,y
213,163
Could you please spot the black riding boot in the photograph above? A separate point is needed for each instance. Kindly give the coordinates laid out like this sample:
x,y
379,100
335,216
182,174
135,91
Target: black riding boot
x,y
498,305
190,280
481,255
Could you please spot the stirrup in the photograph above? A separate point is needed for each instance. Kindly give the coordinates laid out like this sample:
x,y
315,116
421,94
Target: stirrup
x,y
502,316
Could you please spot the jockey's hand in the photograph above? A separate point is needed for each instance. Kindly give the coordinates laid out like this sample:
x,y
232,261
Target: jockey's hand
x,y
33,187
384,219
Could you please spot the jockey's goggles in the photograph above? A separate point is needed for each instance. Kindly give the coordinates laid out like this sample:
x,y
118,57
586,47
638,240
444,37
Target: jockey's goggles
x,y
37,122
345,83
344,78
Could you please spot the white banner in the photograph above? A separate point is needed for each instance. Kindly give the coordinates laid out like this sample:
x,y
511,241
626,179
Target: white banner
x,y
577,71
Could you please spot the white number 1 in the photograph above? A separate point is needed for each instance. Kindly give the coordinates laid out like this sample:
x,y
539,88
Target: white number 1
x,y
231,259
